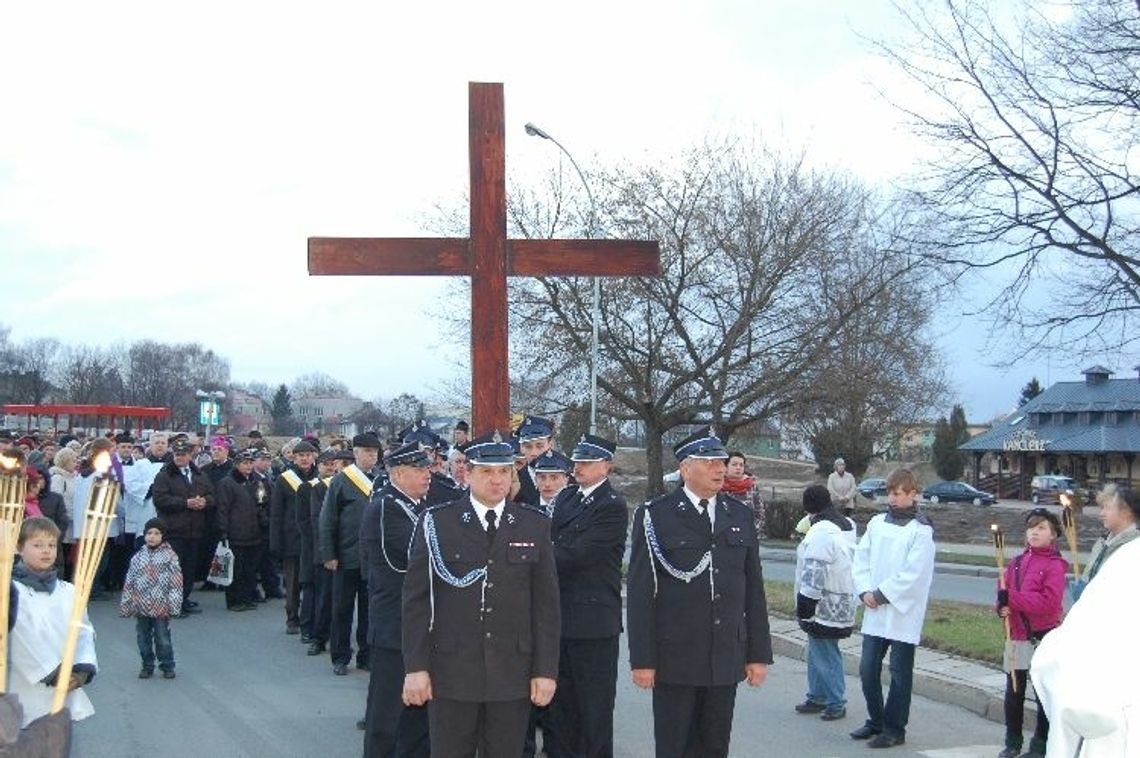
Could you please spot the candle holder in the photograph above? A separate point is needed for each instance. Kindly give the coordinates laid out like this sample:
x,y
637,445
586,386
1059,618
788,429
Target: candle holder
x,y
98,515
13,489
1069,524
999,554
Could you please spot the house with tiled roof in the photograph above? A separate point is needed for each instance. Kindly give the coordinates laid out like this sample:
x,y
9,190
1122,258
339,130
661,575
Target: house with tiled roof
x,y
1088,430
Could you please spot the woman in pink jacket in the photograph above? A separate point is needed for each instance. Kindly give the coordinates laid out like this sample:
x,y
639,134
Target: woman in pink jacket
x,y
1031,600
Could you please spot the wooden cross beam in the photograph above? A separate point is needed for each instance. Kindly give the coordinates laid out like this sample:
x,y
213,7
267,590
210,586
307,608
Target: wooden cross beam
x,y
487,256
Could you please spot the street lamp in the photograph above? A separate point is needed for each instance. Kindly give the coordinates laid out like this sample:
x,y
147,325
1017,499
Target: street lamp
x,y
535,131
209,408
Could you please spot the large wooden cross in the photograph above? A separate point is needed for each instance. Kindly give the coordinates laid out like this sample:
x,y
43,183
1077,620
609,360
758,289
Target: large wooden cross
x,y
488,257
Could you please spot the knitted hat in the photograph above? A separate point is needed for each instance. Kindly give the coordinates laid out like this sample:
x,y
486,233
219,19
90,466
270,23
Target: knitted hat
x,y
154,523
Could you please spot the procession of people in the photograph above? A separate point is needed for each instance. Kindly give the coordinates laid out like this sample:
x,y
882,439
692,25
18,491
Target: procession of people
x,y
485,586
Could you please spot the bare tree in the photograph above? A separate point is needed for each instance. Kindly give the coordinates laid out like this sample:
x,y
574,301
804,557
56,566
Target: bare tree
x,y
87,374
752,243
33,364
1035,180
318,385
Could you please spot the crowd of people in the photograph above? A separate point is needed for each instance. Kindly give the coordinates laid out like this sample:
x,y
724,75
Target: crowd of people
x,y
480,584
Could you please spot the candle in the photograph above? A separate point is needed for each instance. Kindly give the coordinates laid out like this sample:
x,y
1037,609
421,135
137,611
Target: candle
x,y
98,514
13,488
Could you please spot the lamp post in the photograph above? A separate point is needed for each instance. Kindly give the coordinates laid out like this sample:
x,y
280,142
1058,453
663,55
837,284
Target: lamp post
x,y
207,402
535,131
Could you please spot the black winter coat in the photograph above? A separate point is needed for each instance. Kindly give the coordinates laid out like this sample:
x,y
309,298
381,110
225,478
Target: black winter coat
x,y
589,544
339,533
289,491
690,634
171,491
240,518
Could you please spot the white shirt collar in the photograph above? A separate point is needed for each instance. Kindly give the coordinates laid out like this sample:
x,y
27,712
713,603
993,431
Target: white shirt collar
x,y
481,512
696,499
587,491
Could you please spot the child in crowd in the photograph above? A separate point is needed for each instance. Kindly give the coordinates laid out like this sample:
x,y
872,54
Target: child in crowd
x,y
825,603
45,603
893,568
152,593
1034,588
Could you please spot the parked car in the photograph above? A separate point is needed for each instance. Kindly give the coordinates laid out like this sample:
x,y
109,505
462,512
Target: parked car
x,y
957,492
1048,489
872,488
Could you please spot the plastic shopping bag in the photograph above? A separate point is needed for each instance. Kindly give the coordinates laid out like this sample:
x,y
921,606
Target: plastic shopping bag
x,y
222,566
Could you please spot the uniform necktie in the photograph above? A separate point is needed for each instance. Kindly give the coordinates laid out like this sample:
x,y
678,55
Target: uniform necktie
x,y
491,528
186,475
704,508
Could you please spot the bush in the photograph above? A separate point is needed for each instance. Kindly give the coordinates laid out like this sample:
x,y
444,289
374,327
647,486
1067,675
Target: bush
x,y
781,517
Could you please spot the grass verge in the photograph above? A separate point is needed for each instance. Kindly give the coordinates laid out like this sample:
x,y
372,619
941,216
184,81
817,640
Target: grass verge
x,y
971,631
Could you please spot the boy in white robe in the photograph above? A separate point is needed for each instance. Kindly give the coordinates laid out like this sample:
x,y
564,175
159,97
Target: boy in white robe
x,y
893,568
36,642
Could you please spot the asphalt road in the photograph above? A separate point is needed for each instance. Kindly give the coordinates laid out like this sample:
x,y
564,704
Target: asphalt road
x,y
244,688
963,589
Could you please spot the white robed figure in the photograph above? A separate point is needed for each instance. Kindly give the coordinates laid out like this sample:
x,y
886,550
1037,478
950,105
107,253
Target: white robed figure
x,y
1086,673
36,649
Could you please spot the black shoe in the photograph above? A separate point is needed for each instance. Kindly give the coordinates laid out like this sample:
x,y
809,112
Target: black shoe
x,y
240,607
316,648
864,732
305,638
340,669
1010,752
275,596
887,740
833,714
190,611
809,706
146,673
190,604
168,674
360,725
292,629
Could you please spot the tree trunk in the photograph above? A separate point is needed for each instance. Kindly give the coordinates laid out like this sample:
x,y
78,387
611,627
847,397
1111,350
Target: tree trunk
x,y
653,458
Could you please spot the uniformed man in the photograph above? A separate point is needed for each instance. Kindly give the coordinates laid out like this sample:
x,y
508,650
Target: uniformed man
x,y
291,494
698,620
480,631
329,463
443,488
536,436
349,491
551,476
268,575
588,530
391,728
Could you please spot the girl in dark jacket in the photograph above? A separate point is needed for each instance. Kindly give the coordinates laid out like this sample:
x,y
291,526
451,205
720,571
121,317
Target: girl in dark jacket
x,y
240,522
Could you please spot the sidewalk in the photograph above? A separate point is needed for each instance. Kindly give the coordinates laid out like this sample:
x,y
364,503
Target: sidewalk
x,y
978,687
975,686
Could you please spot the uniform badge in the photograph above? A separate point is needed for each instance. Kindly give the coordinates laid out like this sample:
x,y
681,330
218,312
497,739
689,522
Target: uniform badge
x,y
466,517
510,518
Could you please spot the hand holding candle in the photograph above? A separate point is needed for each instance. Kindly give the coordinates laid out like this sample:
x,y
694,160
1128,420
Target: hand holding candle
x,y
999,554
13,487
98,514
1069,524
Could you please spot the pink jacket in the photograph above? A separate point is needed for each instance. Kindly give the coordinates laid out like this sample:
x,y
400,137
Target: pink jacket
x,y
1036,583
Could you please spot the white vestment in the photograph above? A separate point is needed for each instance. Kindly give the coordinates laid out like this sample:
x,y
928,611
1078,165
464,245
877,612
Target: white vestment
x,y
898,561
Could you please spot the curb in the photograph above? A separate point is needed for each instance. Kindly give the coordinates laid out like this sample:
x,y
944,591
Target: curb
x,y
965,683
783,555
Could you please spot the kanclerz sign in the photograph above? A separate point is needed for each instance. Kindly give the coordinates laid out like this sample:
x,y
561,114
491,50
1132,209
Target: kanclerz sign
x,y
1025,441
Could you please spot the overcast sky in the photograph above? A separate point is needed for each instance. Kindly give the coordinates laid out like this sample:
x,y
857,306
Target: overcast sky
x,y
161,169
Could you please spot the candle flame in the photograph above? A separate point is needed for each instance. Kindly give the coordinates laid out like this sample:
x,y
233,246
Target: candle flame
x,y
101,462
1066,499
9,464
995,528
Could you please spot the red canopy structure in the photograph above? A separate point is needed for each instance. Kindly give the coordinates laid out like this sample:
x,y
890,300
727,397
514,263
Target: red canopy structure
x,y
98,412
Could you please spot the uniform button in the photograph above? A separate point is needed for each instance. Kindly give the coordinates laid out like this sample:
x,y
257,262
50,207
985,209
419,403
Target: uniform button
x,y
715,622
490,609
488,635
490,561
490,585
716,597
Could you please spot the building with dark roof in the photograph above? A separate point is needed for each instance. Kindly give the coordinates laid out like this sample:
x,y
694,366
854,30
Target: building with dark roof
x,y
1087,430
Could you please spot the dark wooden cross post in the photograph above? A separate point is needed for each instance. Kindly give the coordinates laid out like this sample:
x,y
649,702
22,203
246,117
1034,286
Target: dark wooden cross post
x,y
488,257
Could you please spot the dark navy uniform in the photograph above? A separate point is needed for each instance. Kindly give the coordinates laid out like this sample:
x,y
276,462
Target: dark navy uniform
x,y
391,728
589,543
697,634
483,643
